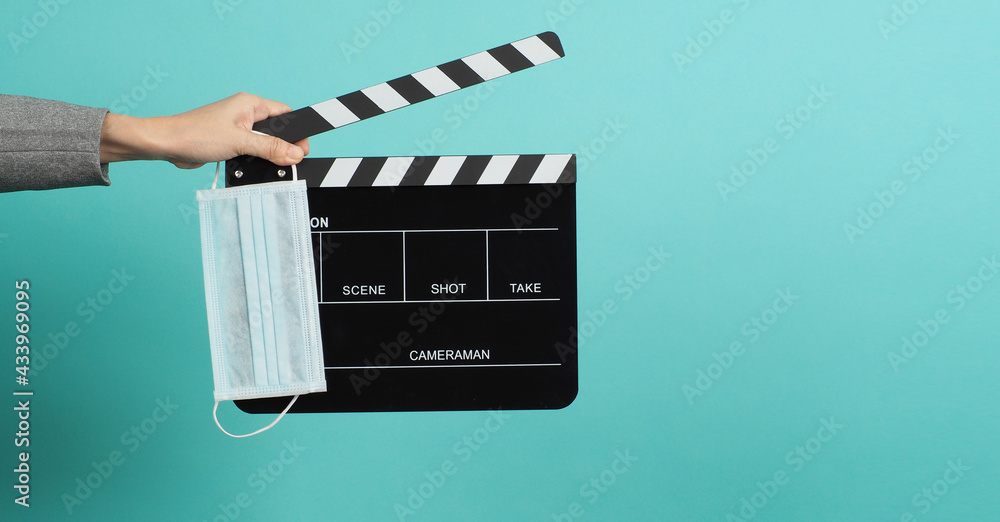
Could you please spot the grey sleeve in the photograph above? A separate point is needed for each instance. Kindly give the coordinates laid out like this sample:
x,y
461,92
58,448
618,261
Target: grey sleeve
x,y
48,144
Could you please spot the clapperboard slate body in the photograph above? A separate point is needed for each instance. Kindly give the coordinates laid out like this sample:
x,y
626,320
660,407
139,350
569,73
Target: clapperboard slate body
x,y
445,283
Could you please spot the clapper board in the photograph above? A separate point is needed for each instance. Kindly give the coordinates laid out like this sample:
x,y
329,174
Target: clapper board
x,y
445,282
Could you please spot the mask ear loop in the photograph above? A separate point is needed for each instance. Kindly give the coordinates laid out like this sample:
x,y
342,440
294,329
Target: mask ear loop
x,y
215,415
215,183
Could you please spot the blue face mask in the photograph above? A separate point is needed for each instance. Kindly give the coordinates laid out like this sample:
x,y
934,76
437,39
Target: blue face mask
x,y
260,290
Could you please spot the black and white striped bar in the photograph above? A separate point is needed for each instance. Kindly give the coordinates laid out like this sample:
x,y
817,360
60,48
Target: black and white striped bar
x,y
414,88
438,170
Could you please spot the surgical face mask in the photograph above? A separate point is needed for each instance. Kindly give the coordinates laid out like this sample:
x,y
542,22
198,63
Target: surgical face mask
x,y
260,290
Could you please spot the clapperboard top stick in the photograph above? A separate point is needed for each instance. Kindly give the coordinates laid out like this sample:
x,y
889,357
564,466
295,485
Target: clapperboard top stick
x,y
394,94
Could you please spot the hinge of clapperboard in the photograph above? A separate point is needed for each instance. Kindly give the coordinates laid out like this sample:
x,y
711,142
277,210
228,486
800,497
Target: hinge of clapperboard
x,y
401,92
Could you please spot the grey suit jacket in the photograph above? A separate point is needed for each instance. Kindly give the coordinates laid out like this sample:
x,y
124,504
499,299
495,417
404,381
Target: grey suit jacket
x,y
49,144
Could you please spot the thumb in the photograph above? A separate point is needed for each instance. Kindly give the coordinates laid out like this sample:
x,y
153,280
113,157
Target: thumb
x,y
275,150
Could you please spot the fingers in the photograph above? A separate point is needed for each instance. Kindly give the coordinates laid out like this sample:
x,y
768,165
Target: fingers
x,y
267,108
275,150
263,107
304,145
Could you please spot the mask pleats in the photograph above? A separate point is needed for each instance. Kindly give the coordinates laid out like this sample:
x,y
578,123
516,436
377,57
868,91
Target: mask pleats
x,y
284,286
232,296
252,284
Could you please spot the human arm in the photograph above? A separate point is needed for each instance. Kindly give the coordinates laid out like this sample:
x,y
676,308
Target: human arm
x,y
47,144
214,132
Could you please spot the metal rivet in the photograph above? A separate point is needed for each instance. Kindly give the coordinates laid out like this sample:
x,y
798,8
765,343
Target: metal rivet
x,y
238,173
281,173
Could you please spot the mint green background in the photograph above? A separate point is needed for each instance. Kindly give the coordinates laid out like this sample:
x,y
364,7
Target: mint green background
x,y
655,186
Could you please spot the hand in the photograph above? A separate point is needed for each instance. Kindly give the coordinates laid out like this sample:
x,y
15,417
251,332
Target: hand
x,y
215,132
